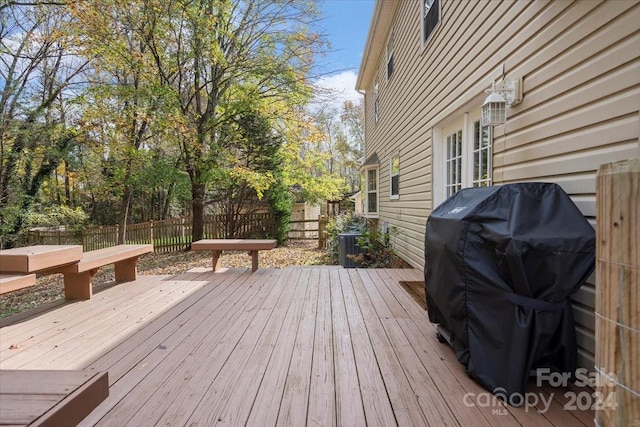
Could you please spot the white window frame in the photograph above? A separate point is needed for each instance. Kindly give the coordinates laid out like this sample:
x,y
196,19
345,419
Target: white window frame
x,y
390,63
442,188
368,191
453,159
392,174
424,11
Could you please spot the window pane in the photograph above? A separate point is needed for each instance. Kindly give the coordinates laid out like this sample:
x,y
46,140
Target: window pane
x,y
372,191
394,172
449,175
390,56
372,183
482,155
372,202
476,135
395,165
454,163
431,17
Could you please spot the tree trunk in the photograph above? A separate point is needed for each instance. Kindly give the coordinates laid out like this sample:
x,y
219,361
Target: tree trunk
x,y
124,214
67,184
167,202
198,196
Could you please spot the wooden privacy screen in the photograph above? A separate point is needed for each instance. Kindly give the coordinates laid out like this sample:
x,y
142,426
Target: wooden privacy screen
x,y
617,400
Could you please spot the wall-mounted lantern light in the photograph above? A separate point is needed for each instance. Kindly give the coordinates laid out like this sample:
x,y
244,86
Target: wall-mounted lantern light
x,y
501,95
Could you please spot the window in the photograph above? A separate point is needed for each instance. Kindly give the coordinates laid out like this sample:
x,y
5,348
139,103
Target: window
x,y
481,155
390,56
376,107
462,155
430,18
453,160
371,196
394,173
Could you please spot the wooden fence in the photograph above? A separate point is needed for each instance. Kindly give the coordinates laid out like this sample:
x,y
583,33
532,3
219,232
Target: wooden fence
x,y
166,236
310,229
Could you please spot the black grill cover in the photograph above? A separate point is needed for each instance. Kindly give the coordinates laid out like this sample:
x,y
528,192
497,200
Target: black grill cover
x,y
500,266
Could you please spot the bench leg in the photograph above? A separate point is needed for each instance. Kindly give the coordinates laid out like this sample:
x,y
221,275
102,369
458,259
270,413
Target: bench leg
x,y
78,285
254,261
217,263
126,270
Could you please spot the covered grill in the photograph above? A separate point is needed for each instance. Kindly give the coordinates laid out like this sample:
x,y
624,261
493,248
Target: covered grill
x,y
501,264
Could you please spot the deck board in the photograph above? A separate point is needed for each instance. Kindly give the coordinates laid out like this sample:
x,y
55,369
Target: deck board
x,y
120,359
246,360
439,360
68,314
160,372
349,410
377,407
401,396
264,408
53,331
295,397
298,346
321,410
88,338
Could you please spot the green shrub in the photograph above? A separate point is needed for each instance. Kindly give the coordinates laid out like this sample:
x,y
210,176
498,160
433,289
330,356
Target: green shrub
x,y
51,216
377,249
55,216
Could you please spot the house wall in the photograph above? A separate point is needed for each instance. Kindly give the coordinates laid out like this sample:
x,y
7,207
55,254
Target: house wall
x,y
581,73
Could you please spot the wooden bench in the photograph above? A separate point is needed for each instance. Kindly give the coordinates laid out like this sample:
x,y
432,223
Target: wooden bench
x,y
31,259
50,398
17,265
77,277
216,246
13,282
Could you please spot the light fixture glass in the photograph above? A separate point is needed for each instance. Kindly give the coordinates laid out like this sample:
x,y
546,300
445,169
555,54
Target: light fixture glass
x,y
494,108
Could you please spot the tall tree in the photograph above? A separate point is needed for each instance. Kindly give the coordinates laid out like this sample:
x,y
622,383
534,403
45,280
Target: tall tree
x,y
37,68
203,49
307,162
125,102
352,147
341,138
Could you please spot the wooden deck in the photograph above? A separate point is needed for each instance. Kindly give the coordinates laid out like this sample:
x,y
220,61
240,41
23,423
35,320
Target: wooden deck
x,y
299,346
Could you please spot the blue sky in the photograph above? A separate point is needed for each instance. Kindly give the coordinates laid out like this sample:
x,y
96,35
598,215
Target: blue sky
x,y
346,24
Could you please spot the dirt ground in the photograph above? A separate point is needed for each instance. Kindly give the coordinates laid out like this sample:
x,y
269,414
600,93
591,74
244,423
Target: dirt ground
x,y
49,288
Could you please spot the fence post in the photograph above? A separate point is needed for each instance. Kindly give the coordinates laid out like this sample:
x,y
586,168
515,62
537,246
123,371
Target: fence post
x,y
618,293
322,238
183,234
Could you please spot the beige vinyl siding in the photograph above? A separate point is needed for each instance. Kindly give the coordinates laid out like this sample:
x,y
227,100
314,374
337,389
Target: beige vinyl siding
x,y
578,113
581,70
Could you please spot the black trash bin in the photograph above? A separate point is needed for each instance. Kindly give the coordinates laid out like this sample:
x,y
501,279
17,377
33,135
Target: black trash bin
x,y
501,264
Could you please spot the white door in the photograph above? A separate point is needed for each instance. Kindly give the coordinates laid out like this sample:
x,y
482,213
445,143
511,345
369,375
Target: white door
x,y
461,155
